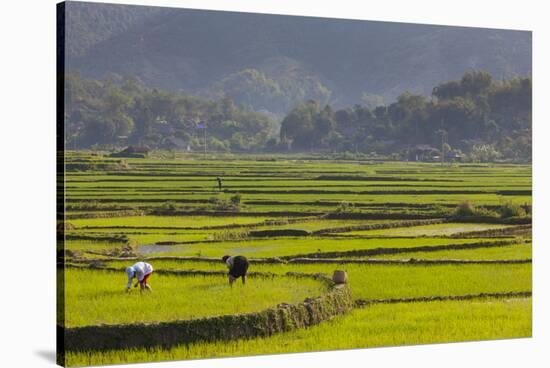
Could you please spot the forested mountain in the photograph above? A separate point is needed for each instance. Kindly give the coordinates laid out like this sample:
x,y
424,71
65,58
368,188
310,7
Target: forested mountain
x,y
90,23
272,63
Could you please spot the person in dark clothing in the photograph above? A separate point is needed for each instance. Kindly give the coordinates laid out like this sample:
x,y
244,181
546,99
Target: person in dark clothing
x,y
219,183
238,266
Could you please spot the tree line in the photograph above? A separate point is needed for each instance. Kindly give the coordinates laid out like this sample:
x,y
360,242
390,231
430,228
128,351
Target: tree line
x,y
475,115
110,113
485,118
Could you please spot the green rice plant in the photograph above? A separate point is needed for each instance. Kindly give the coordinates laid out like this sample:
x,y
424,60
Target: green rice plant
x,y
380,281
429,230
167,221
280,192
510,252
373,326
289,247
99,297
321,224
229,235
80,245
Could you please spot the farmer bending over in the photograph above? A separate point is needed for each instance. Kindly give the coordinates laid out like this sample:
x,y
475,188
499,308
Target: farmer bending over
x,y
141,271
238,265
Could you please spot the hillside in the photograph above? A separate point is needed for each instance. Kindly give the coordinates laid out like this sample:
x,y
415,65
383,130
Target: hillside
x,y
271,62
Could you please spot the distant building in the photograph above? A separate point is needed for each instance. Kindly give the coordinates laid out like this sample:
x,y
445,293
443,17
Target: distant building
x,y
454,157
423,152
132,152
137,149
174,143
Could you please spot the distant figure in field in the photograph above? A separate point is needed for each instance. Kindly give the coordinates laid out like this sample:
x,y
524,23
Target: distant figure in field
x,y
238,266
141,271
219,183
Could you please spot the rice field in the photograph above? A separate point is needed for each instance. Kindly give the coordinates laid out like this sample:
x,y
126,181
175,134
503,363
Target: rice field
x,y
522,251
99,297
165,222
375,326
290,246
368,281
389,225
430,230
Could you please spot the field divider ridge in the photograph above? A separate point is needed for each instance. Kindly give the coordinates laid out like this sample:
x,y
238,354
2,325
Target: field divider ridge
x,y
410,261
281,318
360,303
381,226
423,248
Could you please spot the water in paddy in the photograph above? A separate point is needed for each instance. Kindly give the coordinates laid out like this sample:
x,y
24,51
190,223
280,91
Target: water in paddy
x,y
155,248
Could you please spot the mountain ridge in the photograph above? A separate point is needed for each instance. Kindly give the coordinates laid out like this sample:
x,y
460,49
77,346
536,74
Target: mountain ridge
x,y
195,51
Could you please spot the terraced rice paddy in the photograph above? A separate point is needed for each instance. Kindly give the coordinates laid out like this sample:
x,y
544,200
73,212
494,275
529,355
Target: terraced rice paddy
x,y
390,226
313,246
376,281
375,326
94,298
429,230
